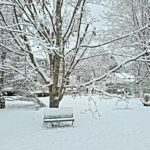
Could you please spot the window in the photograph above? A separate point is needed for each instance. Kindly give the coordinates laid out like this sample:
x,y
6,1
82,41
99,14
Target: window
x,y
43,63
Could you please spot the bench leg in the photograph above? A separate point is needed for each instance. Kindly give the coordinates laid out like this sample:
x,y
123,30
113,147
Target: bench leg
x,y
73,123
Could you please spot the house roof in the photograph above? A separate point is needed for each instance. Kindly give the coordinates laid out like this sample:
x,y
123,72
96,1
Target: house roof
x,y
124,76
121,78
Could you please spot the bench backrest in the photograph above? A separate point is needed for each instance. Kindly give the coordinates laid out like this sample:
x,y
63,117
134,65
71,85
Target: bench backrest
x,y
53,113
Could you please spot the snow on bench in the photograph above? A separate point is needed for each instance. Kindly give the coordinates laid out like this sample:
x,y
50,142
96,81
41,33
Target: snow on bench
x,y
54,116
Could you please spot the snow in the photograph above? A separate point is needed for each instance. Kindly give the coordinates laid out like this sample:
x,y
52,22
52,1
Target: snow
x,y
53,112
146,94
21,126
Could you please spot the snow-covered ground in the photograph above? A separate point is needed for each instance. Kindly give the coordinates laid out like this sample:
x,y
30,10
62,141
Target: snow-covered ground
x,y
116,129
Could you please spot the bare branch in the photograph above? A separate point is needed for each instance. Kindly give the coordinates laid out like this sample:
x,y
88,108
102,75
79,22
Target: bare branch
x,y
114,69
116,39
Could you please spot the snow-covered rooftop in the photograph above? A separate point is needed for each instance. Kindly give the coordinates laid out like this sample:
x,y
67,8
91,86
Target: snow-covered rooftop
x,y
121,78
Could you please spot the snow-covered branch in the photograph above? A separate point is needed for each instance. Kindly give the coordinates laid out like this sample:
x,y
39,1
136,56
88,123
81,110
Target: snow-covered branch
x,y
117,39
115,69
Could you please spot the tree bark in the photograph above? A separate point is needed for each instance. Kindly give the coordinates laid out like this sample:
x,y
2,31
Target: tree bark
x,y
54,89
53,96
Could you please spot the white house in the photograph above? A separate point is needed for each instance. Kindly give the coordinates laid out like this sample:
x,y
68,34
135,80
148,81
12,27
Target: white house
x,y
122,78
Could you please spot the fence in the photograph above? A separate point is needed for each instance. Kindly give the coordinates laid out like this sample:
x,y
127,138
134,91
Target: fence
x,y
136,90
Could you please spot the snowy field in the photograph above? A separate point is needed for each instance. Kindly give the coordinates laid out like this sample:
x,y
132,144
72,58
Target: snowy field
x,y
116,129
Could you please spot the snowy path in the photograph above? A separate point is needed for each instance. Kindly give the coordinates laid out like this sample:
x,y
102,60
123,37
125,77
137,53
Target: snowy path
x,y
21,128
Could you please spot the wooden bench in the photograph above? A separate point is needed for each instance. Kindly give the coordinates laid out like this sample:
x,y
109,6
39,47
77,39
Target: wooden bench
x,y
54,117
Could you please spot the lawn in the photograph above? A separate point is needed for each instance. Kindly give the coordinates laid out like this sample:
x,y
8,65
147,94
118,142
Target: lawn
x,y
103,126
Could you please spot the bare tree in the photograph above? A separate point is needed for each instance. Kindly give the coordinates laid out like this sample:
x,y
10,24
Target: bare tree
x,y
128,16
56,29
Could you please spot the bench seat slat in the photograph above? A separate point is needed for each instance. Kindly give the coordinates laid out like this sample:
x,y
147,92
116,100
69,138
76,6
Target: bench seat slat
x,y
58,115
58,119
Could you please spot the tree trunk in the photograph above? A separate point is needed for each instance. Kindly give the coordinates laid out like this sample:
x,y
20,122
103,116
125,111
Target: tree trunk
x,y
54,96
55,91
53,103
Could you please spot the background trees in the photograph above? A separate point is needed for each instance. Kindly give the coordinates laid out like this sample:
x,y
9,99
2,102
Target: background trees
x,y
65,34
128,16
54,29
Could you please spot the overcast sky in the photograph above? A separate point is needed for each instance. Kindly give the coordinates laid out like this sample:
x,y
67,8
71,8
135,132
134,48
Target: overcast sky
x,y
97,12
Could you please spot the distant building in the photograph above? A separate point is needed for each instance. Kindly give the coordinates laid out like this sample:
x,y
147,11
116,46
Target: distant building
x,y
117,82
121,78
